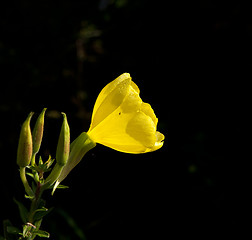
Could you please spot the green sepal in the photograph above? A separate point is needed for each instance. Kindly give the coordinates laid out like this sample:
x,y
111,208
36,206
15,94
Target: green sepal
x,y
22,211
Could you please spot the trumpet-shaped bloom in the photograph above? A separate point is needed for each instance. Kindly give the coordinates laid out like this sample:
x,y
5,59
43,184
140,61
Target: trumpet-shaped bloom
x,y
122,121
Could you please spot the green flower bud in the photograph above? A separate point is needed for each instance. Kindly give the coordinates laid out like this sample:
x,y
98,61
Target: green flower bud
x,y
63,147
24,152
37,133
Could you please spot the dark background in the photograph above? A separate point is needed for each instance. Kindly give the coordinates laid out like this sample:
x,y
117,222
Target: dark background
x,y
191,61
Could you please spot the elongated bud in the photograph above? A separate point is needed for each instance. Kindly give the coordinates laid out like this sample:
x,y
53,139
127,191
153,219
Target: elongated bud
x,y
37,133
24,152
63,147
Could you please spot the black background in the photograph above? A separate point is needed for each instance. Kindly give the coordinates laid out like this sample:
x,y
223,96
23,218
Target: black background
x,y
192,63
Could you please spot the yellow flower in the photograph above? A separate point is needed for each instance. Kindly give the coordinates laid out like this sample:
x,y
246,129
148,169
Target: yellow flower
x,y
122,121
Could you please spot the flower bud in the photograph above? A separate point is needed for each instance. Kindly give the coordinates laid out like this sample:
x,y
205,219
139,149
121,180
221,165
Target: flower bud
x,y
24,152
63,147
37,133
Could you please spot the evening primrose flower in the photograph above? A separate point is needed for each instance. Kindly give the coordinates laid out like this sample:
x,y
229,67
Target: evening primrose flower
x,y
122,121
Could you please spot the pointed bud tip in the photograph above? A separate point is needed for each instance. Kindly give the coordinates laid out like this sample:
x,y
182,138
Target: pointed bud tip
x,y
29,116
37,133
64,115
44,110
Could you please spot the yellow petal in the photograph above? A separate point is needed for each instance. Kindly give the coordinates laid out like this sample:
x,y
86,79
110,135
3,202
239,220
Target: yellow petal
x,y
111,131
110,98
132,132
132,102
146,108
135,87
142,128
109,88
159,142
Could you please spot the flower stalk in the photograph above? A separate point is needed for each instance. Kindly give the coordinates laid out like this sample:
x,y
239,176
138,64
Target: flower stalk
x,y
27,187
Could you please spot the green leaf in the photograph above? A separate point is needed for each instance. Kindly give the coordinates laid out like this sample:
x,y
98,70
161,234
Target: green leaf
x,y
49,162
72,223
57,185
41,233
29,174
29,197
40,213
43,209
62,186
22,211
8,236
13,230
40,161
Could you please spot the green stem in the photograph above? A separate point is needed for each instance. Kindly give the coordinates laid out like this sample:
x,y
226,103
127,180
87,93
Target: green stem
x,y
35,203
33,159
33,224
54,175
25,182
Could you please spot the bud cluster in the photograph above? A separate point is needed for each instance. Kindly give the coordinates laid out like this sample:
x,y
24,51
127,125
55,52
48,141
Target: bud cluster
x,y
67,156
44,173
28,147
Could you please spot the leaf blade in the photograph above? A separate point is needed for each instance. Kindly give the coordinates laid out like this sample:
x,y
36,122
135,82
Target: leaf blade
x,y
42,233
22,210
